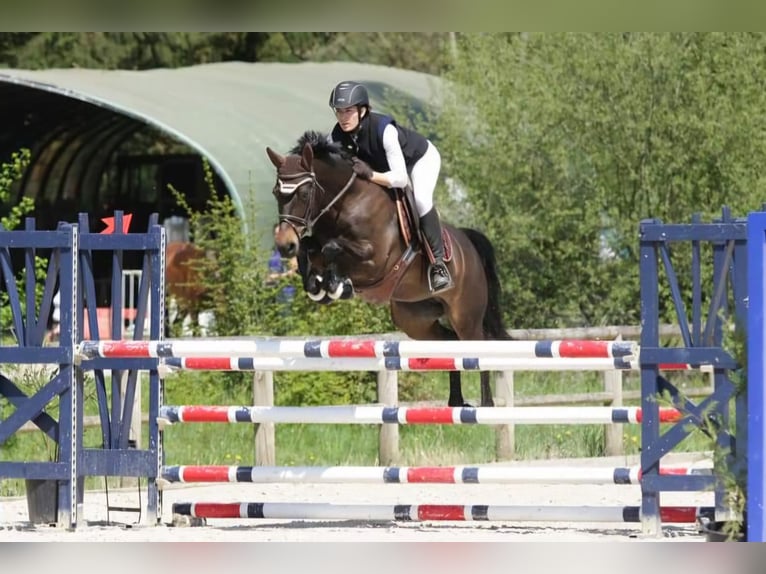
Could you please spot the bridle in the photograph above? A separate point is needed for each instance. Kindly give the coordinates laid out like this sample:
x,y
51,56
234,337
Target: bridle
x,y
304,226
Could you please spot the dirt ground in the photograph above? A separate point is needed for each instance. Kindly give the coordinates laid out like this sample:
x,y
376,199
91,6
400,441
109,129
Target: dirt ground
x,y
123,526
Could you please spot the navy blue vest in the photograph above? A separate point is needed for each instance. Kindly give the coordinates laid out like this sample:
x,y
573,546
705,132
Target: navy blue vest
x,y
366,142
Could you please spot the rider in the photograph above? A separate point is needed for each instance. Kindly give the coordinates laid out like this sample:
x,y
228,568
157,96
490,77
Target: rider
x,y
385,153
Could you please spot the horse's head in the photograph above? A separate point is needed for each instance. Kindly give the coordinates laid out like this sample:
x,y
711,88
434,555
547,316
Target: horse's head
x,y
308,184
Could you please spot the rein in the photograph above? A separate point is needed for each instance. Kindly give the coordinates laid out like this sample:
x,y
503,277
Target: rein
x,y
327,207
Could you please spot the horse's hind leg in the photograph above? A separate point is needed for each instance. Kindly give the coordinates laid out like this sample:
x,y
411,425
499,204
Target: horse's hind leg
x,y
456,390
421,321
486,390
473,332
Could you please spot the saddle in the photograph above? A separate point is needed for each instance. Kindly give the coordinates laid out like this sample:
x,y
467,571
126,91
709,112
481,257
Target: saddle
x,y
409,224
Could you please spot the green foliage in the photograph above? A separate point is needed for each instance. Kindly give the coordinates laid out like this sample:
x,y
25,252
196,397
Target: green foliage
x,y
424,52
10,43
129,50
731,472
10,173
564,142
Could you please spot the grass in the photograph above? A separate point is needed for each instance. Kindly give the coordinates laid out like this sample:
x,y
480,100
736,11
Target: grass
x,y
328,445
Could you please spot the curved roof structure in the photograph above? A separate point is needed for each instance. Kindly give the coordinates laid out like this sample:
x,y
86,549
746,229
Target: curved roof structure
x,y
228,112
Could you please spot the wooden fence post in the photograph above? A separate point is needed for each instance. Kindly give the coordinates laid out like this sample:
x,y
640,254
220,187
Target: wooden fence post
x,y
263,396
388,395
505,435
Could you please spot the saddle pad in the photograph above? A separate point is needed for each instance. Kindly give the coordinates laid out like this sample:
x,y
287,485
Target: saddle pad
x,y
407,225
447,238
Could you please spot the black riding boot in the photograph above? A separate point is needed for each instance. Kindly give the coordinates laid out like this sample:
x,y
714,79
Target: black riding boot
x,y
438,275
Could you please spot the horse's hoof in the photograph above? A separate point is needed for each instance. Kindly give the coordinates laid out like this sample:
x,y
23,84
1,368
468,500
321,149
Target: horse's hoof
x,y
319,296
335,289
348,289
325,299
314,284
460,404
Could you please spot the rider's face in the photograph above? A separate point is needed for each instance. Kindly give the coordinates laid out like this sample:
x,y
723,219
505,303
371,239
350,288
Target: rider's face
x,y
348,118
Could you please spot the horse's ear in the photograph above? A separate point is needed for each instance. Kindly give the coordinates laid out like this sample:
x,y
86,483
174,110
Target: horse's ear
x,y
277,159
307,157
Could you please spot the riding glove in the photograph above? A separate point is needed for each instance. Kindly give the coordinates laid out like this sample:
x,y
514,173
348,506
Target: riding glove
x,y
362,169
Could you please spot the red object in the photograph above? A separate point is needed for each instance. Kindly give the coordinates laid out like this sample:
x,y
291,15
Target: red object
x,y
125,349
109,221
211,414
431,364
217,510
667,415
349,349
441,512
431,474
584,349
427,415
684,514
208,363
206,474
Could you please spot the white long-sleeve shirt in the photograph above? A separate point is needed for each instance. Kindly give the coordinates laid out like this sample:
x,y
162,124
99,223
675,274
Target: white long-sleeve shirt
x,y
397,168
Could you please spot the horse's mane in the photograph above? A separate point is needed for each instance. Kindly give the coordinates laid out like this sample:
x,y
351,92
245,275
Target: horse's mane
x,y
324,148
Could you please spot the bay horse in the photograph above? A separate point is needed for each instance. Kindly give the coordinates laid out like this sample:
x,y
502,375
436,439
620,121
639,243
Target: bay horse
x,y
346,229
183,282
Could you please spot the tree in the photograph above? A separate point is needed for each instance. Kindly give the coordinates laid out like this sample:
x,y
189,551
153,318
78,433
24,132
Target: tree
x,y
425,52
564,142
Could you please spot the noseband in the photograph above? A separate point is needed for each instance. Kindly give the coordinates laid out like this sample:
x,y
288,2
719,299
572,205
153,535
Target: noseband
x,y
304,226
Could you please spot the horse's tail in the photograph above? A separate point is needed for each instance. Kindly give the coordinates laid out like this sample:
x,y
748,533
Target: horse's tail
x,y
493,325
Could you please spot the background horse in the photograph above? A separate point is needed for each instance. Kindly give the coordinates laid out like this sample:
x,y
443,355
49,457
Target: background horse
x,y
349,228
184,286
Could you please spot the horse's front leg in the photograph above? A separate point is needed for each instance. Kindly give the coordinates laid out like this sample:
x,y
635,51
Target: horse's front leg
x,y
337,287
309,269
313,284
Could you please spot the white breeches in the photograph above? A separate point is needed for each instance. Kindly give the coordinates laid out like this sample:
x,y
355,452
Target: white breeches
x,y
424,176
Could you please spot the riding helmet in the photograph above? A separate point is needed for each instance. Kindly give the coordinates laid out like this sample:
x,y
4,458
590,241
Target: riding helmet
x,y
347,94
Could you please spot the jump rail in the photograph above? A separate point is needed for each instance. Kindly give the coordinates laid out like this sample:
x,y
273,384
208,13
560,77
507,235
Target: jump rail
x,y
355,348
402,475
434,512
407,415
413,364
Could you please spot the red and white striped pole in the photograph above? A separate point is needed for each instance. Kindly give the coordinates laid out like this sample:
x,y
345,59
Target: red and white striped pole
x,y
428,475
433,512
356,348
409,415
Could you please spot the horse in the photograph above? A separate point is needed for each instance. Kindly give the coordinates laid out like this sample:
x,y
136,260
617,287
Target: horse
x,y
346,230
183,283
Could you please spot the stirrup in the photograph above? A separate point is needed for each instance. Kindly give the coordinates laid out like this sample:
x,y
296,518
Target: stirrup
x,y
446,274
